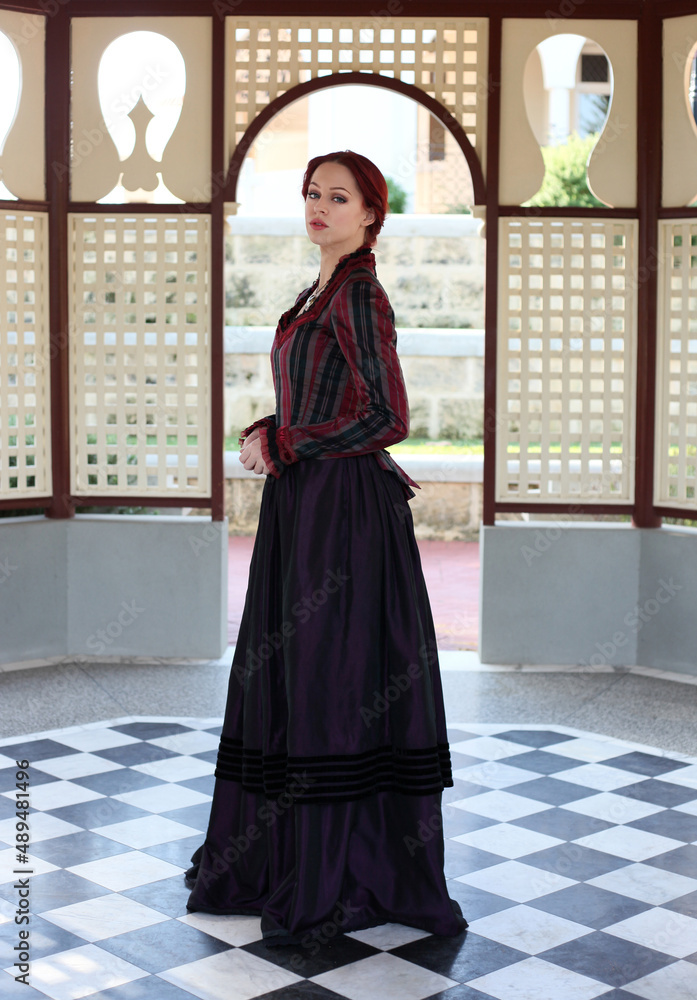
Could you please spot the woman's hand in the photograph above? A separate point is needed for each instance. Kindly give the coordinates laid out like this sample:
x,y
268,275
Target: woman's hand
x,y
250,455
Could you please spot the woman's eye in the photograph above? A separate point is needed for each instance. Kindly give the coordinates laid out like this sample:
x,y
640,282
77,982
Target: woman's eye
x,y
340,199
312,194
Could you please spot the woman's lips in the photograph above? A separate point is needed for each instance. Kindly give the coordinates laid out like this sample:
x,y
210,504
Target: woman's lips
x,y
317,224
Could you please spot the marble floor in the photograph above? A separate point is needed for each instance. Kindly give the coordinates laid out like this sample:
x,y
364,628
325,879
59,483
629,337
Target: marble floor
x,y
572,854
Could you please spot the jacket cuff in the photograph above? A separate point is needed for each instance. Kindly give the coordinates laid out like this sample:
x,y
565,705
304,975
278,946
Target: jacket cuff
x,y
263,422
275,449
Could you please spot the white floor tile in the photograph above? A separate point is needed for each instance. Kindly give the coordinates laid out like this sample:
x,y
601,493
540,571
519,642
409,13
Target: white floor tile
x,y
176,768
663,930
535,979
527,929
383,977
55,794
489,748
627,842
8,862
516,881
147,831
104,917
72,974
613,808
682,776
605,779
163,798
592,751
89,740
126,871
76,765
229,974
508,840
501,805
494,774
688,807
388,936
674,982
648,884
188,743
234,930
42,826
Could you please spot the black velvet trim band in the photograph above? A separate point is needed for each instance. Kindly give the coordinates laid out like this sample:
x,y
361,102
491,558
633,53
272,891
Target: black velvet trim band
x,y
332,777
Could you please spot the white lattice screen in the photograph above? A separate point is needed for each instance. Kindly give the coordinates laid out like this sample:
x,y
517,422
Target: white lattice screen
x,y
676,386
446,58
25,455
140,354
566,360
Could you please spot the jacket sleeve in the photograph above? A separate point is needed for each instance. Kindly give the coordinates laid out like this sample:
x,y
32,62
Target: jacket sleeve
x,y
269,421
363,323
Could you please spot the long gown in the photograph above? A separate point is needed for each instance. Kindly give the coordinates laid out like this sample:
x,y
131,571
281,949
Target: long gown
x,y
326,814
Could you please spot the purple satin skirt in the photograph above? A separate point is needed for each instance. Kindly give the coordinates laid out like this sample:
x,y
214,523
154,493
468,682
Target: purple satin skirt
x,y
326,814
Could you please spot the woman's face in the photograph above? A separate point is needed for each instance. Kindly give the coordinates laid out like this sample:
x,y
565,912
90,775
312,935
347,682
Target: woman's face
x,y
335,215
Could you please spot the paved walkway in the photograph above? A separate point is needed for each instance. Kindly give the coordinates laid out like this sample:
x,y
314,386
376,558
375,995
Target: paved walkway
x,y
452,577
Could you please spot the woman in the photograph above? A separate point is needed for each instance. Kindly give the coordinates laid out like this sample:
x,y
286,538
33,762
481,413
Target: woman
x,y
333,754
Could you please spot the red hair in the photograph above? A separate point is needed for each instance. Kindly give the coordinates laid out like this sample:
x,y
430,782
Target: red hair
x,y
369,179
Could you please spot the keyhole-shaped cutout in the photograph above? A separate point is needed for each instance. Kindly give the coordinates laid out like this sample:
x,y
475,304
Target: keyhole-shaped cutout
x,y
567,88
141,82
10,89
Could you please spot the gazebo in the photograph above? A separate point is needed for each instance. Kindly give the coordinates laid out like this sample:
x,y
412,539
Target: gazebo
x,y
112,315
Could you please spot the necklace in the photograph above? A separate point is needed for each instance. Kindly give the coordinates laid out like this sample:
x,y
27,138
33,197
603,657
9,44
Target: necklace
x,y
314,296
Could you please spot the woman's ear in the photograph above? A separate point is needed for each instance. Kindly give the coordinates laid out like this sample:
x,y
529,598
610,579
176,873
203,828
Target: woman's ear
x,y
369,217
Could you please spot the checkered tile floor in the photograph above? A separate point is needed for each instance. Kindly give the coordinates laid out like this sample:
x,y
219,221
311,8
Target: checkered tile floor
x,y
574,858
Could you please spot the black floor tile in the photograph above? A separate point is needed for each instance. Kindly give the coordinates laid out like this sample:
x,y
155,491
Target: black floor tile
x,y
574,861
136,753
117,782
196,816
562,823
645,763
312,958
98,812
205,784
151,730
151,988
476,903
554,791
607,958
534,737
45,939
471,859
459,958
301,991
8,778
659,793
682,861
589,905
35,750
163,946
169,895
177,852
61,888
669,823
457,821
77,848
684,904
540,761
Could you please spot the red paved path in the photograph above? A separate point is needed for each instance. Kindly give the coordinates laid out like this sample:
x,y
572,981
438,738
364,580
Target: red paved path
x,y
452,577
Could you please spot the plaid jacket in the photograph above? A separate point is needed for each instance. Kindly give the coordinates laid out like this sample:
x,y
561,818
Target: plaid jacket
x,y
338,381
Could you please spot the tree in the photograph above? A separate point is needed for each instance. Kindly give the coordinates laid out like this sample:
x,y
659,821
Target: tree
x,y
396,197
565,181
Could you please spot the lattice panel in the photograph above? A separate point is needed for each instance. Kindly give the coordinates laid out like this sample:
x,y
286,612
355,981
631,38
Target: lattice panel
x,y
25,456
676,387
566,360
446,58
141,355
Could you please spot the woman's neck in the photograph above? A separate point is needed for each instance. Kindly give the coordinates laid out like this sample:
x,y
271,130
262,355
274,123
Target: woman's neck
x,y
329,259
